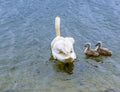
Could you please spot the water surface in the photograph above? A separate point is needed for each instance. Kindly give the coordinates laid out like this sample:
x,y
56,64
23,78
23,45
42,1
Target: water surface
x,y
27,29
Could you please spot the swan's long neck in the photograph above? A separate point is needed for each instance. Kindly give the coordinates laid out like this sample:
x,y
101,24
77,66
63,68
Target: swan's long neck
x,y
57,26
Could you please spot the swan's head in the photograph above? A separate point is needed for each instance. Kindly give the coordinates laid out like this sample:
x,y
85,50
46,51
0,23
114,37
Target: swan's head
x,y
62,49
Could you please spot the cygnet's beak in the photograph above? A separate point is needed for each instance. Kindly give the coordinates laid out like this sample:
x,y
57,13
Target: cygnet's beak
x,y
97,44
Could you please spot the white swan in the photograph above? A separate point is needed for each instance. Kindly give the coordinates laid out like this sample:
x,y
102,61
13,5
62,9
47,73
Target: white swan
x,y
62,47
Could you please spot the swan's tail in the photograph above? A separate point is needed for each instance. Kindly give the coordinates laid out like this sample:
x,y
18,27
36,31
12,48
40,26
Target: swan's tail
x,y
57,25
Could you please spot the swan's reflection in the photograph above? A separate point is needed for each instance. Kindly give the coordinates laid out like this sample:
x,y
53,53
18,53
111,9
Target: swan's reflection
x,y
63,67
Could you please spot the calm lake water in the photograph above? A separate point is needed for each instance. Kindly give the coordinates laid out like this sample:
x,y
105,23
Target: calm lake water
x,y
27,29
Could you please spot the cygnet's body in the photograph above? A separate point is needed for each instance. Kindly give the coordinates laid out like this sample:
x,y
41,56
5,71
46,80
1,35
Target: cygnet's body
x,y
102,51
90,52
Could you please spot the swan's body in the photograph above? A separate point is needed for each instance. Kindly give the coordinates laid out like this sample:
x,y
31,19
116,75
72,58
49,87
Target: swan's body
x,y
90,52
102,51
62,47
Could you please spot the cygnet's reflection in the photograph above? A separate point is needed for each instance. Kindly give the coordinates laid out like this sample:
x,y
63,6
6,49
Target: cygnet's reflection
x,y
97,59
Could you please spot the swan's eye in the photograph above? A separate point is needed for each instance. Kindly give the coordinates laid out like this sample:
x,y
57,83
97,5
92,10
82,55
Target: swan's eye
x,y
71,51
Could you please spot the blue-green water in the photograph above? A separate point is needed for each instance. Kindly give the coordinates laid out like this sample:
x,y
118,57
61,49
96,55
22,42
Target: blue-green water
x,y
27,29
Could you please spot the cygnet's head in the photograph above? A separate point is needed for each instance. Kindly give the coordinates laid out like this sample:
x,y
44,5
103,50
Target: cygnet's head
x,y
99,43
88,45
